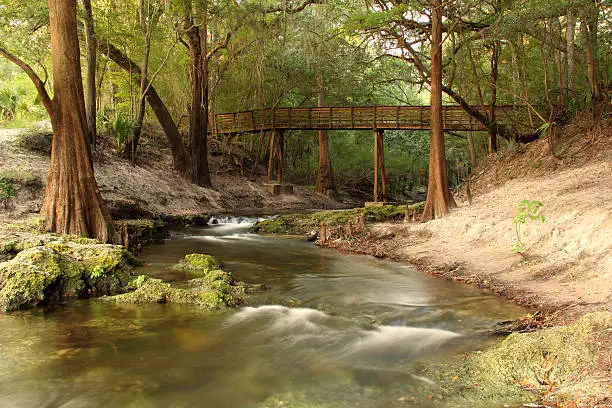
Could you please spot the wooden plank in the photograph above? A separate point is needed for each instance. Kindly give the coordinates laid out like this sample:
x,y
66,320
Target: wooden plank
x,y
372,117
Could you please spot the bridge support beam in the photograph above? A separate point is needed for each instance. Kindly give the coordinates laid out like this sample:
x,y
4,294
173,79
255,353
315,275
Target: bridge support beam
x,y
379,163
275,161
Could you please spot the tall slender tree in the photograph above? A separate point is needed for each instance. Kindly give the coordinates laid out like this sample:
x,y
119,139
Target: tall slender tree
x,y
90,74
438,194
325,183
197,42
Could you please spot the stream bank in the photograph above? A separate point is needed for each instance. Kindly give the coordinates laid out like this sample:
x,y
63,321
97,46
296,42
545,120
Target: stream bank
x,y
563,274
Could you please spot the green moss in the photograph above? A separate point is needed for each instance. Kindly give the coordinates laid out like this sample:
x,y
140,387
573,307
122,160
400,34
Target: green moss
x,y
157,291
9,248
280,225
307,222
44,272
38,275
529,364
198,265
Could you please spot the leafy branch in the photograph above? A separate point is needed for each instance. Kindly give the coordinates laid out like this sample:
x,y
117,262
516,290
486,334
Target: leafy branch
x,y
526,211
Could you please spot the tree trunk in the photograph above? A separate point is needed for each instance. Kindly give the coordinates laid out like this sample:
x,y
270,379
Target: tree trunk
x,y
72,203
471,149
570,47
325,184
198,114
438,194
180,158
591,20
131,144
90,72
492,128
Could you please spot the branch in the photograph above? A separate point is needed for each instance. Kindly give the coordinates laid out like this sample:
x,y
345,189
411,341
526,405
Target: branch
x,y
295,10
222,45
38,83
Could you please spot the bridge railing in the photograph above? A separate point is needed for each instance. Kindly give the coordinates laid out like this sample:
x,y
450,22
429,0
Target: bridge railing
x,y
371,117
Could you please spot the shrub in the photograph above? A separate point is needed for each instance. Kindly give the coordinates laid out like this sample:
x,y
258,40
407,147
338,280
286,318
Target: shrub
x,y
122,127
526,210
7,191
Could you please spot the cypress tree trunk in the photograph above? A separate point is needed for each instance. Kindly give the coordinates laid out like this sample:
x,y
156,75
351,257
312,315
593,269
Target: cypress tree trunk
x,y
72,203
325,184
492,127
438,194
198,114
90,76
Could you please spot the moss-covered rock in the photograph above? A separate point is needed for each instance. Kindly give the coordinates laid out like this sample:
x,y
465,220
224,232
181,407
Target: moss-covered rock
x,y
157,291
525,365
60,268
143,232
37,275
199,265
307,222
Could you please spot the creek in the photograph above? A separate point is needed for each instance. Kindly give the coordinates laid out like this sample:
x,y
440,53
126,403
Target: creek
x,y
331,330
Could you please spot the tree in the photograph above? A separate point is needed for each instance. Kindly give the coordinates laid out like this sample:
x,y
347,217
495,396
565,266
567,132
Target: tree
x,y
438,193
325,183
90,77
197,39
149,13
72,203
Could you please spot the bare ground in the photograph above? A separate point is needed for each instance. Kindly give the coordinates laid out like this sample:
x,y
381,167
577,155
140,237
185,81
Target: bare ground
x,y
152,186
566,265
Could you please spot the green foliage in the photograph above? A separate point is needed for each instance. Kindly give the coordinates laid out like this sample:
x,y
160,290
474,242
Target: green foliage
x,y
122,128
97,272
19,102
526,211
9,100
7,191
138,281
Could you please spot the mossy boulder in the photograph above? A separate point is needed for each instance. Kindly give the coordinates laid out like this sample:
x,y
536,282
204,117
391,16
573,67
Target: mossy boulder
x,y
528,364
37,275
61,268
156,291
198,265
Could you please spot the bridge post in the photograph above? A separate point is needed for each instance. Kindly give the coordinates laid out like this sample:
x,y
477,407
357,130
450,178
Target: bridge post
x,y
277,146
379,162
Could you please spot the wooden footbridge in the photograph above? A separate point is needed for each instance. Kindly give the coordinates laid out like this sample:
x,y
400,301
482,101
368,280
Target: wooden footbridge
x,y
374,118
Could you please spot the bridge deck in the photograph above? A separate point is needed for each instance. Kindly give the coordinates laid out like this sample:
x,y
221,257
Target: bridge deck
x,y
341,118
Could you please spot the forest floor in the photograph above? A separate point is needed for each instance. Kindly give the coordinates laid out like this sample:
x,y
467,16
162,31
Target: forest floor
x,y
566,266
151,188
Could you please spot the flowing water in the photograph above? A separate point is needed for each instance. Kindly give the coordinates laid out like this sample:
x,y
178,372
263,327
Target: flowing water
x,y
332,330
